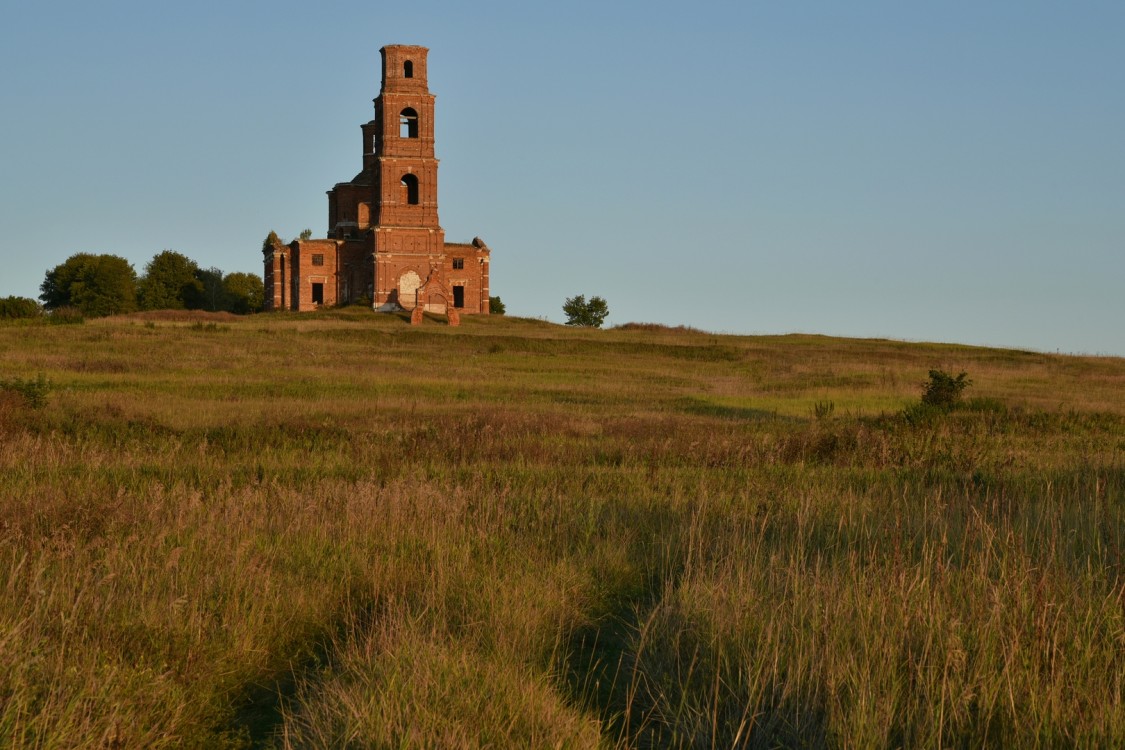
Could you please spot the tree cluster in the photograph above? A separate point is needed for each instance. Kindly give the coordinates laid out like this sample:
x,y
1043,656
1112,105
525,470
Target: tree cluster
x,y
99,285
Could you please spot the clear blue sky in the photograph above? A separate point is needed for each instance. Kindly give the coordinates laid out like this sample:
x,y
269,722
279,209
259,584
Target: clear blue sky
x,y
944,171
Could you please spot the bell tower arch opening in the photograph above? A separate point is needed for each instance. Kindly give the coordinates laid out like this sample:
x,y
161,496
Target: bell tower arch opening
x,y
408,123
410,189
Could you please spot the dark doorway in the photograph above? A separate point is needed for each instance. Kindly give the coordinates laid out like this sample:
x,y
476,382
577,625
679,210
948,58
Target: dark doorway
x,y
458,296
318,294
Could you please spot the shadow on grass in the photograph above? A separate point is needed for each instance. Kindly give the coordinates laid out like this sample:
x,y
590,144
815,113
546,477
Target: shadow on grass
x,y
656,680
258,709
656,683
257,717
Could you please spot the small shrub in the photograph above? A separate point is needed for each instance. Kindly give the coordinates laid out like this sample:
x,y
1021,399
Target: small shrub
x,y
270,242
34,392
495,306
822,410
943,390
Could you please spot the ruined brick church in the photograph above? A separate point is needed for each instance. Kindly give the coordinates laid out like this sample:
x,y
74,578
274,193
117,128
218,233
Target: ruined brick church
x,y
384,242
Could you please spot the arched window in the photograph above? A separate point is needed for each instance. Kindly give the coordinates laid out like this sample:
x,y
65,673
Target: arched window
x,y
410,189
408,69
408,123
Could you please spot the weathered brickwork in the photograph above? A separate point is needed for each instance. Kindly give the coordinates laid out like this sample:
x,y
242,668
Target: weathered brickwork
x,y
384,241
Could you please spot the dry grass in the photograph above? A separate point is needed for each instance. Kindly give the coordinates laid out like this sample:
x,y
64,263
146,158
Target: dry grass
x,y
335,529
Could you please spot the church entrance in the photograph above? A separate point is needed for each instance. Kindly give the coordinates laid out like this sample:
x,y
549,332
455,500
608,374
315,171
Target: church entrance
x,y
408,285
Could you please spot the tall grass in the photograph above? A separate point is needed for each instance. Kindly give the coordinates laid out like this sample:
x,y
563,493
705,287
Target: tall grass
x,y
334,530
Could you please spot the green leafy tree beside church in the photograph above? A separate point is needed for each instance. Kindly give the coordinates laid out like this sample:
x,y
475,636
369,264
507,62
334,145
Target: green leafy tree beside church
x,y
98,285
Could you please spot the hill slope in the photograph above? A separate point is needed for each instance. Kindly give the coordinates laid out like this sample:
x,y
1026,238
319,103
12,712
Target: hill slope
x,y
336,528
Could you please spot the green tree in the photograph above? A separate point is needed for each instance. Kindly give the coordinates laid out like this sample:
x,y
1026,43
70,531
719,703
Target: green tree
x,y
306,235
55,289
495,306
245,292
579,312
169,282
12,308
98,285
212,295
269,242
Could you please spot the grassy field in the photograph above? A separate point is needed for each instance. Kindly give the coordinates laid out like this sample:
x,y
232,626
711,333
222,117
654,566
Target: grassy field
x,y
336,530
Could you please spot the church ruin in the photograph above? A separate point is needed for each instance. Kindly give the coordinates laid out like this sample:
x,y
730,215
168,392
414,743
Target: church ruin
x,y
384,242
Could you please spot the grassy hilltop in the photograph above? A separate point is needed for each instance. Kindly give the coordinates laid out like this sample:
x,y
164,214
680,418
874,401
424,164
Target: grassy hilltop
x,y
336,530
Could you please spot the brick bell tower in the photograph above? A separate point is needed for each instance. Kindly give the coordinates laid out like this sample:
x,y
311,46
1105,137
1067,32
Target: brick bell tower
x,y
402,139
384,239
405,176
